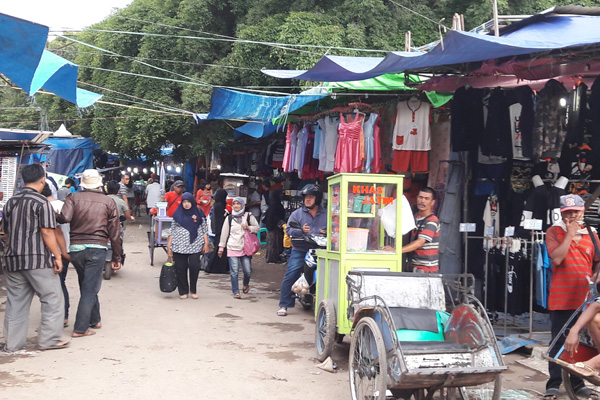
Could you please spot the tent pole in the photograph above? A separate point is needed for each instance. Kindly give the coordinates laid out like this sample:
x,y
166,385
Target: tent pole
x,y
495,5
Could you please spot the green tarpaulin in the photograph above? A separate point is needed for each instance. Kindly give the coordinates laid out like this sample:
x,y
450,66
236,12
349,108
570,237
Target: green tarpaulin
x,y
389,82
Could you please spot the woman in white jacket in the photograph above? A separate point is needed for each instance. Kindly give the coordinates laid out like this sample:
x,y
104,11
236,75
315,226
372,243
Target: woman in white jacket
x,y
232,237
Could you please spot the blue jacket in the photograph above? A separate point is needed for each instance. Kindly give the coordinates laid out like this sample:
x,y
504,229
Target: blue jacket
x,y
303,216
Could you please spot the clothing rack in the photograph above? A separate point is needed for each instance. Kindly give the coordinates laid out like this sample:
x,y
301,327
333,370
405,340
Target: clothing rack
x,y
507,244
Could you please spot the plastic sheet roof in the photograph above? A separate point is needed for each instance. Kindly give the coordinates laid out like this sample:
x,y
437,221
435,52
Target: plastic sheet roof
x,y
25,62
261,110
543,33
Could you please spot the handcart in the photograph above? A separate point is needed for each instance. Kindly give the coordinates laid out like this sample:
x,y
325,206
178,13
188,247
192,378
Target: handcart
x,y
406,343
158,235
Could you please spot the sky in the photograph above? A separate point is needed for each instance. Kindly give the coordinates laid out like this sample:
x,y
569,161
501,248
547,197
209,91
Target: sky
x,y
62,14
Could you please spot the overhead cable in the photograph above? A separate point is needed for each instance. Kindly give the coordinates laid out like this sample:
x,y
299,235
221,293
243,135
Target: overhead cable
x,y
281,45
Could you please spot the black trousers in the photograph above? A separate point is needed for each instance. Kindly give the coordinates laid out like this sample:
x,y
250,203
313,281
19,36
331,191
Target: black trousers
x,y
183,264
557,320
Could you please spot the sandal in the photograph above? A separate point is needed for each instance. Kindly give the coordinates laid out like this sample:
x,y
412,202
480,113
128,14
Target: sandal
x,y
246,289
237,296
282,312
183,296
551,394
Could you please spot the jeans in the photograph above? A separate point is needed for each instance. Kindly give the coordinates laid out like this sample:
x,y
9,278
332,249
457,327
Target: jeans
x,y
558,319
89,264
63,285
295,268
183,264
234,270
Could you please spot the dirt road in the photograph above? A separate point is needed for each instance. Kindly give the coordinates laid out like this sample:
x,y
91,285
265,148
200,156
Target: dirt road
x,y
155,346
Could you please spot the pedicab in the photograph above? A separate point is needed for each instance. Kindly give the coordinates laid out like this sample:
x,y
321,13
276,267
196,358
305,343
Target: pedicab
x,y
408,343
362,291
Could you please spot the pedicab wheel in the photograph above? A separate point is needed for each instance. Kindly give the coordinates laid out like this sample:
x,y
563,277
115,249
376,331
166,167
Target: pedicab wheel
x,y
566,376
368,362
325,330
107,270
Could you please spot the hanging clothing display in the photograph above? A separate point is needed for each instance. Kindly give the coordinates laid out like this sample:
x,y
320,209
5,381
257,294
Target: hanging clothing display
x,y
467,118
550,128
368,129
411,128
521,123
496,138
347,154
317,140
330,139
302,138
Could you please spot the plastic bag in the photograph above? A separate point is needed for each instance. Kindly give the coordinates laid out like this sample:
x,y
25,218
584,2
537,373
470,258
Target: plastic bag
x,y
301,286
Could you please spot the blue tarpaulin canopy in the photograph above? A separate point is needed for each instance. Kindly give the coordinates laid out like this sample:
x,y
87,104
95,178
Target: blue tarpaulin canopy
x,y
25,62
234,105
541,33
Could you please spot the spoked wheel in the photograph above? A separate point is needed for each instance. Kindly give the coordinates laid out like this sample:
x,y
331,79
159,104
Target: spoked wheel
x,y
107,270
566,376
325,330
368,362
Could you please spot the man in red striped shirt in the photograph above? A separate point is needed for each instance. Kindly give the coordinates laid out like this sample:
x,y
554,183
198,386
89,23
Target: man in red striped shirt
x,y
574,262
425,239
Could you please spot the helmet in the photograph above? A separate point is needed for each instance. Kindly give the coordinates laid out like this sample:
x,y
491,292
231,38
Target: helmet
x,y
310,259
314,190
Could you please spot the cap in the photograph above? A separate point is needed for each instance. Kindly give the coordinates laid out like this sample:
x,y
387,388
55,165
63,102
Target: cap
x,y
571,202
91,179
178,183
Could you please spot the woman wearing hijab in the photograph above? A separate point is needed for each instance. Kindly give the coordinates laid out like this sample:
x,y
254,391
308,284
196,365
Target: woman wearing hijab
x,y
274,219
187,241
216,264
232,238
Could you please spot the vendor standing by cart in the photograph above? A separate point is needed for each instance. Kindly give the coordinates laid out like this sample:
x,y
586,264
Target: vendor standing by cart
x,y
425,239
313,219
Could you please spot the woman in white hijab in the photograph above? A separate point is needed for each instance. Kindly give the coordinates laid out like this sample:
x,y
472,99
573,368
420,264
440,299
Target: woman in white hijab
x,y
232,238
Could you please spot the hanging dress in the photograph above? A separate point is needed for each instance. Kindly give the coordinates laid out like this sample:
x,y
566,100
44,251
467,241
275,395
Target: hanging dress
x,y
347,155
330,139
368,129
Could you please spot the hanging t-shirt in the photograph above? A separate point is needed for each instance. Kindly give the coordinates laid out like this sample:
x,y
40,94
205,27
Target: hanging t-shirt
x,y
411,129
491,214
515,130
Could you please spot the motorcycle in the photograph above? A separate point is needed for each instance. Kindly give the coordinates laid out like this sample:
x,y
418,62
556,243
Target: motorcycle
x,y
307,297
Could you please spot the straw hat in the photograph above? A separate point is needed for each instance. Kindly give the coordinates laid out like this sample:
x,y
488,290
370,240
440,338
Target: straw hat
x,y
91,179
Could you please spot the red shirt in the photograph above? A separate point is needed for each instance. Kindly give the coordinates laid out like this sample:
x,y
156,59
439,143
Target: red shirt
x,y
569,285
203,201
173,201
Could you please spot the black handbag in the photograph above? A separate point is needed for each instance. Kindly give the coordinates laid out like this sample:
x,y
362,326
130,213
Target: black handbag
x,y
168,277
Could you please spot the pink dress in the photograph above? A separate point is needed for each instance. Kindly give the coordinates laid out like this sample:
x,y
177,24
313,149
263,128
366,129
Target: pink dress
x,y
347,154
286,153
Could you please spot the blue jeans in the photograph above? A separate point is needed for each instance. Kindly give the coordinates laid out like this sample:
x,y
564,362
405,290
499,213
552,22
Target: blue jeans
x,y
295,267
89,264
234,270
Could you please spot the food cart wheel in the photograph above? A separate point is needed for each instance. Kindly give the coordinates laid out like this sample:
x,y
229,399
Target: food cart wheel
x,y
151,245
566,376
107,270
368,362
325,330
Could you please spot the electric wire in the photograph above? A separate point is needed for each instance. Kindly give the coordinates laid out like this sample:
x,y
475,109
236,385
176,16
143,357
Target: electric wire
x,y
314,46
438,23
156,59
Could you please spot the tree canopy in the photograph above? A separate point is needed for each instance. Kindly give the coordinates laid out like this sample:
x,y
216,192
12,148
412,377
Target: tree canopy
x,y
167,55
